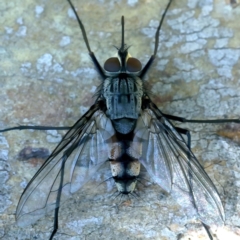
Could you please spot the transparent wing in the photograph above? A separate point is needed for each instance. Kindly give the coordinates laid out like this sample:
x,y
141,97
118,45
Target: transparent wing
x,y
172,165
82,151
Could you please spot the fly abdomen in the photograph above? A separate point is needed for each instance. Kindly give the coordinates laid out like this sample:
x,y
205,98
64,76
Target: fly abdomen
x,y
123,95
125,172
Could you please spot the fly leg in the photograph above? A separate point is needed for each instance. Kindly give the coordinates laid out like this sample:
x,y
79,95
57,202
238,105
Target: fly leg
x,y
97,105
91,54
150,61
56,211
187,133
184,120
23,127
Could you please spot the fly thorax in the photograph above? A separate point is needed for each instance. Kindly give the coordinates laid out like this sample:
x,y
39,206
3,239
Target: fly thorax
x,y
123,96
125,174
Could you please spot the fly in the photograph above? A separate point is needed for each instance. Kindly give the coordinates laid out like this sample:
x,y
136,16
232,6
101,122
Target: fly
x,y
126,130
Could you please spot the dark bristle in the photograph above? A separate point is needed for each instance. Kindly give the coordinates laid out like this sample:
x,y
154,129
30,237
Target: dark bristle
x,y
122,45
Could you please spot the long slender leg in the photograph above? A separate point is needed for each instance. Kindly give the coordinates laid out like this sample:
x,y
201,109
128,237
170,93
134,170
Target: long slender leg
x,y
187,133
171,117
55,225
22,127
206,227
184,120
94,59
150,61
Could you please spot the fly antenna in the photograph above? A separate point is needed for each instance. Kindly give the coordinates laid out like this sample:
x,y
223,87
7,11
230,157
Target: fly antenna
x,y
122,47
81,27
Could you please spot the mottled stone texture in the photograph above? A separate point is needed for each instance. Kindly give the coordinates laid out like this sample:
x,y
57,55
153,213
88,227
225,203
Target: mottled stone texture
x,y
47,78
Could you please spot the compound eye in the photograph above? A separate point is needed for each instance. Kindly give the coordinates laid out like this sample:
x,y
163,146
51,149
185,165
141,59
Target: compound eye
x,y
133,65
112,65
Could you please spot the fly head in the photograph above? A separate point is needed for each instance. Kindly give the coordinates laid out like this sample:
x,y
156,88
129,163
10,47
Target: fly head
x,y
123,63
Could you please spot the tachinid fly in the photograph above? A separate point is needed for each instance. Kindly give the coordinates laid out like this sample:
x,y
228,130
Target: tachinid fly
x,y
125,128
